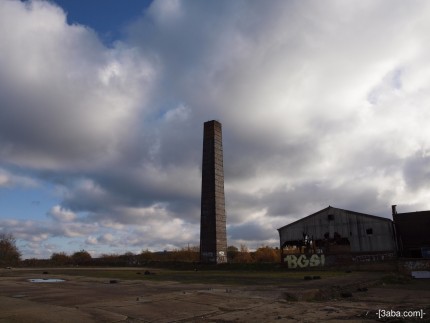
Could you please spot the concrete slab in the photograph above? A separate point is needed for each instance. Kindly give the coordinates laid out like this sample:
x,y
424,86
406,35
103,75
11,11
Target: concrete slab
x,y
88,299
15,310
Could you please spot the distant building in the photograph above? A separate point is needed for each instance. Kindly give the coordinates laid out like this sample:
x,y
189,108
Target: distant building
x,y
344,235
413,233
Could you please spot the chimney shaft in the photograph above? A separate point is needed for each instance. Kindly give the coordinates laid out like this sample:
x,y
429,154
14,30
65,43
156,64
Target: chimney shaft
x,y
393,209
213,236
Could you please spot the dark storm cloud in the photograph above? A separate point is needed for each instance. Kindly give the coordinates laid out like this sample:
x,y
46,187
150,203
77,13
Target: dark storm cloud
x,y
416,171
250,232
318,195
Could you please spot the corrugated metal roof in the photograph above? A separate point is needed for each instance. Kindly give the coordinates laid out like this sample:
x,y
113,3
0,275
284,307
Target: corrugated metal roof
x,y
335,208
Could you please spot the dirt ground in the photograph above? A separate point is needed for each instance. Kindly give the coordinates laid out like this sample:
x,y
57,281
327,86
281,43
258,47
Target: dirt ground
x,y
352,297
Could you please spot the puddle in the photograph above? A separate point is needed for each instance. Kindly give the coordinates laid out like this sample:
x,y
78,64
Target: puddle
x,y
420,274
46,280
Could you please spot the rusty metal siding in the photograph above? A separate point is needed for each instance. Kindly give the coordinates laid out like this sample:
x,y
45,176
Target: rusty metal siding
x,y
349,225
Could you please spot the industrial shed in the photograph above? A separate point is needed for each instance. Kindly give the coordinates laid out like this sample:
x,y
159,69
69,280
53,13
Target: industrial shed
x,y
413,233
334,231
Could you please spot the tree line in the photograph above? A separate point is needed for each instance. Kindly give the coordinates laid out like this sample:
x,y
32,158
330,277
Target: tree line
x,y
11,256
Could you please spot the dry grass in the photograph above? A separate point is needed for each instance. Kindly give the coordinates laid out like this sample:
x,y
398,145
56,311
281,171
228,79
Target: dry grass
x,y
228,277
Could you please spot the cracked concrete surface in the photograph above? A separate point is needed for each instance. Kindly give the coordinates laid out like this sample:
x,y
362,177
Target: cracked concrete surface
x,y
85,299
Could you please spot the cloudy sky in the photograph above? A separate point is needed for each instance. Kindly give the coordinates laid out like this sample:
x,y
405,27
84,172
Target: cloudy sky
x,y
102,108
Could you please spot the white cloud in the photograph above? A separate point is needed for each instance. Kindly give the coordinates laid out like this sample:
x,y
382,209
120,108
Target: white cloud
x,y
106,238
91,240
8,179
81,98
321,103
60,214
165,11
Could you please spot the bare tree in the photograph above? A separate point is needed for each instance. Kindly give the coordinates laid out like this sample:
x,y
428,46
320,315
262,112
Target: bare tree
x,y
244,256
60,258
232,253
82,257
267,254
9,253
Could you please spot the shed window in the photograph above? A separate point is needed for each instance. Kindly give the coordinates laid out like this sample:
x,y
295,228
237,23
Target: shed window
x,y
331,217
369,231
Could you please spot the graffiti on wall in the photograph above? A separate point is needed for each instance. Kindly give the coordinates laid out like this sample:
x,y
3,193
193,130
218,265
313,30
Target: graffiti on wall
x,y
417,264
425,253
371,258
221,258
303,261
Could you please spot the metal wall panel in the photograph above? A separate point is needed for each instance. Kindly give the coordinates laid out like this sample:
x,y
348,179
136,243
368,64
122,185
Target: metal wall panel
x,y
413,232
361,232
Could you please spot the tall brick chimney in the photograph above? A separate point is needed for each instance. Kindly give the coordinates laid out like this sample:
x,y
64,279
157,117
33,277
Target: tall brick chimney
x,y
213,237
